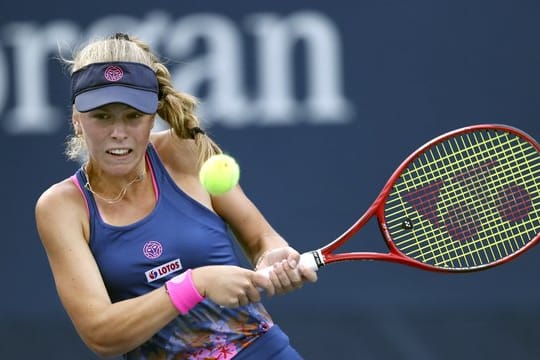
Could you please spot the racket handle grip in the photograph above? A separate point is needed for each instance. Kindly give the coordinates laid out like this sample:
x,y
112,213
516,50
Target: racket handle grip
x,y
306,259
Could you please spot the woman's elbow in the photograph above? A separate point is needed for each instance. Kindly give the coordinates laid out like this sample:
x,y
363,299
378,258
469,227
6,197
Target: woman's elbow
x,y
103,345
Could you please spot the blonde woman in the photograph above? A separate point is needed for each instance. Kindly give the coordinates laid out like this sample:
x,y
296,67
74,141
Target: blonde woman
x,y
141,254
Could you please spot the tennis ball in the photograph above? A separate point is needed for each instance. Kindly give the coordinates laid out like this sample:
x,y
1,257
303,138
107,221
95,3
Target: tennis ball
x,y
219,174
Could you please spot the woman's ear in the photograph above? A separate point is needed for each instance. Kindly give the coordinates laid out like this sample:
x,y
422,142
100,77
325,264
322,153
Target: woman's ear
x,y
76,127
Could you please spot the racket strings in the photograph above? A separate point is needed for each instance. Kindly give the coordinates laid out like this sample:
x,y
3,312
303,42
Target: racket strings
x,y
469,224
471,199
493,250
490,220
434,248
500,252
475,249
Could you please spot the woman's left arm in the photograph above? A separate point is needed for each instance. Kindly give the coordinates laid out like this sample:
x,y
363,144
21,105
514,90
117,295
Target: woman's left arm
x,y
261,242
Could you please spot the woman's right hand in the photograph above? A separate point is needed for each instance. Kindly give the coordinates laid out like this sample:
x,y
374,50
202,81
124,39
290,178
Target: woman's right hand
x,y
228,285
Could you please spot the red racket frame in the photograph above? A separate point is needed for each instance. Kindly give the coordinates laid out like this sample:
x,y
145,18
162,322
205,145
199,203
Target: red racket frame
x,y
377,209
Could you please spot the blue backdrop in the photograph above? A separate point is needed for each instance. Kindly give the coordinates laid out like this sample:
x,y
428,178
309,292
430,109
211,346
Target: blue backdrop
x,y
319,101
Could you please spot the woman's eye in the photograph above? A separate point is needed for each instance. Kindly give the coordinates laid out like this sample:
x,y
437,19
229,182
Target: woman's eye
x,y
102,116
136,115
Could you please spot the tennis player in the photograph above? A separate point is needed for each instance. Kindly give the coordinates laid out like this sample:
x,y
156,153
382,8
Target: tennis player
x,y
142,255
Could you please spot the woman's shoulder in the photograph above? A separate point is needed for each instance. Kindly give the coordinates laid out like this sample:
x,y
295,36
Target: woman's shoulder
x,y
64,194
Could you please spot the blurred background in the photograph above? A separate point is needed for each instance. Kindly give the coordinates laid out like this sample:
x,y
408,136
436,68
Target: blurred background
x,y
319,101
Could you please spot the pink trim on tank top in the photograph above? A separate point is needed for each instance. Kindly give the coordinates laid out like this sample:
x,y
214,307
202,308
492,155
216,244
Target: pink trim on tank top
x,y
78,185
154,183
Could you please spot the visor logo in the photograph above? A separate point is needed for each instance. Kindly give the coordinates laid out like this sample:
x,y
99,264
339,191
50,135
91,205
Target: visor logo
x,y
114,73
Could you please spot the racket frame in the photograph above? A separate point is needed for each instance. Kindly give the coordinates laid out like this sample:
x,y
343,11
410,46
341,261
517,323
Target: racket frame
x,y
326,254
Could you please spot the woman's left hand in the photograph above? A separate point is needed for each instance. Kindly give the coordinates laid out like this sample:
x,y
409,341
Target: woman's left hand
x,y
286,274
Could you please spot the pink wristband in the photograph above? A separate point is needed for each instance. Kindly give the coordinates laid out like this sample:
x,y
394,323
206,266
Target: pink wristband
x,y
182,292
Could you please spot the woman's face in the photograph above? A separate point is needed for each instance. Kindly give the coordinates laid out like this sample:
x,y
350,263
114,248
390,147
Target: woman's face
x,y
116,136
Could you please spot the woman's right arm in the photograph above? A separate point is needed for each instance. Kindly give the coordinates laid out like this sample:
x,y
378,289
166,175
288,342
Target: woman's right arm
x,y
108,329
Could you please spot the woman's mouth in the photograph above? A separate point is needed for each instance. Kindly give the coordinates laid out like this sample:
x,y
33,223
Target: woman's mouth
x,y
119,152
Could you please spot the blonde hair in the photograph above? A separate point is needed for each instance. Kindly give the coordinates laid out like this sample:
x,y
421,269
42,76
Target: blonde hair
x,y
175,107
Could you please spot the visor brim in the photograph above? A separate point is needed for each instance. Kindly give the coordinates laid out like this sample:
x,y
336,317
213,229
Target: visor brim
x,y
142,100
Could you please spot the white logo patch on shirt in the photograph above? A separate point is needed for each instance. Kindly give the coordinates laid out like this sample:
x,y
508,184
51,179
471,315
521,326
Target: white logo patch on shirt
x,y
163,270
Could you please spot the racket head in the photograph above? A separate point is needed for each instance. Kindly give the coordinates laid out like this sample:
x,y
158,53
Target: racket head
x,y
465,201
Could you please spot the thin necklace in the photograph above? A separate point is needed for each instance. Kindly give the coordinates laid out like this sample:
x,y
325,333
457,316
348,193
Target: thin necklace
x,y
120,195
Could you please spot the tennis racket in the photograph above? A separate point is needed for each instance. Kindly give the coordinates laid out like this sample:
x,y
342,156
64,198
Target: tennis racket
x,y
465,201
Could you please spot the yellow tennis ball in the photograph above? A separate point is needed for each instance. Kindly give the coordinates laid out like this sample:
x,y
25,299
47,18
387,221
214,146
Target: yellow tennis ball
x,y
219,174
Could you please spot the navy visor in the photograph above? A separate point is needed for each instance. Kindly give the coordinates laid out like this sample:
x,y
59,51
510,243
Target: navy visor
x,y
129,83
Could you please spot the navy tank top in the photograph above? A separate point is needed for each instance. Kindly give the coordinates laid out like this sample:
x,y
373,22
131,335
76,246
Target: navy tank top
x,y
179,234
